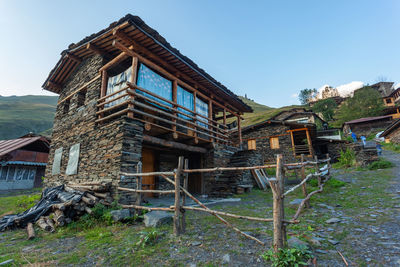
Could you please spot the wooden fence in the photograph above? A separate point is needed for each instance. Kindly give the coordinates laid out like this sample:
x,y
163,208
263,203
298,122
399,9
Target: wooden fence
x,y
180,183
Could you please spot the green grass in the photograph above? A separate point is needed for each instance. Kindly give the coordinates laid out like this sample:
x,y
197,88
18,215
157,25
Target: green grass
x,y
19,203
380,164
392,147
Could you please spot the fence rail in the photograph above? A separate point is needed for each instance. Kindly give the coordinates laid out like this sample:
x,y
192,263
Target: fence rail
x,y
276,185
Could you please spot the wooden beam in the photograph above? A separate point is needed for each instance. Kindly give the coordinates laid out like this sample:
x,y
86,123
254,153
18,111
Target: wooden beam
x,y
210,113
239,130
54,86
309,143
114,61
173,144
175,100
74,58
84,86
97,50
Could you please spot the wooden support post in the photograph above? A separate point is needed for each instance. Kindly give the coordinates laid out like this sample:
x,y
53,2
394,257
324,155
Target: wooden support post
x,y
303,176
239,131
31,231
196,140
139,167
310,149
210,113
175,100
135,62
185,185
278,206
177,176
224,122
103,90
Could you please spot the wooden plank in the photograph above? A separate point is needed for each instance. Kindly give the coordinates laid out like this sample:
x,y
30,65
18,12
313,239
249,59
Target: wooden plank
x,y
173,144
121,57
98,50
79,89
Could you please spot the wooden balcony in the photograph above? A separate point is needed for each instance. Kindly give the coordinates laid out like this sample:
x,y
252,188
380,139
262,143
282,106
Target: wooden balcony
x,y
161,117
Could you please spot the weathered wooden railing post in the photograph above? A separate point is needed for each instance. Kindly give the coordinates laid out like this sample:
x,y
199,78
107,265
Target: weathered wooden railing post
x,y
185,185
177,176
303,176
139,184
278,206
317,170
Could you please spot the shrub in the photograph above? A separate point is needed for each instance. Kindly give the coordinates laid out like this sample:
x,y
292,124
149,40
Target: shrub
x,y
288,257
380,164
335,183
347,159
392,147
148,238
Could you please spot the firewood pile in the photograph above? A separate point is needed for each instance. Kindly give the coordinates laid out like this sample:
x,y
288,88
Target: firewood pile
x,y
60,206
76,201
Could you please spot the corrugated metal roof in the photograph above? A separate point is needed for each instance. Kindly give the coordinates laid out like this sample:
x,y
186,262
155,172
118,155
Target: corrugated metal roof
x,y
6,146
367,119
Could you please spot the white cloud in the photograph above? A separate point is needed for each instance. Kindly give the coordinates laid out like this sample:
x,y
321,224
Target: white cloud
x,y
294,96
348,88
396,86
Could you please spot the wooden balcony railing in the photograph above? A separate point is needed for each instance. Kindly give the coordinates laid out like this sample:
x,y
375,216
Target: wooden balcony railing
x,y
161,113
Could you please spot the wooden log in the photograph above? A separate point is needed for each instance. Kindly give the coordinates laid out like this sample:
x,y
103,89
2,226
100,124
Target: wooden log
x,y
129,174
101,195
216,215
146,191
60,206
303,176
317,170
278,211
95,199
42,224
185,185
31,231
59,216
231,168
301,206
177,213
96,188
138,207
49,221
88,210
87,200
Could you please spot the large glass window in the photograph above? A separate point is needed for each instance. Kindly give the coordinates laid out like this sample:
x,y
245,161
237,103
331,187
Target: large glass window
x,y
3,172
116,83
10,174
151,81
202,109
185,99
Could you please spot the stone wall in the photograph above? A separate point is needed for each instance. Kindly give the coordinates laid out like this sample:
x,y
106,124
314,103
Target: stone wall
x,y
334,149
263,144
367,128
394,136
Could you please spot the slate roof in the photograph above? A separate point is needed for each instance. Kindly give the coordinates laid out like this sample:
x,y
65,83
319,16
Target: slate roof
x,y
367,119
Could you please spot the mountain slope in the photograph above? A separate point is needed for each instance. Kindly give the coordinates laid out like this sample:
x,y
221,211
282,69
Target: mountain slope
x,y
20,115
261,112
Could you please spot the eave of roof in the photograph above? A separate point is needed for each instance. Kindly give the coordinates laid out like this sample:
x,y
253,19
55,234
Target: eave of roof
x,y
367,119
68,65
391,128
7,146
269,122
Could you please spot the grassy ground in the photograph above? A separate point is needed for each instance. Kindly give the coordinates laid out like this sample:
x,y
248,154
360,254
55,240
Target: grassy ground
x,y
117,244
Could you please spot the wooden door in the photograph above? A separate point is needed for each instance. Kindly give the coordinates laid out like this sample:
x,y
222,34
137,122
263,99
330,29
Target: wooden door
x,y
148,182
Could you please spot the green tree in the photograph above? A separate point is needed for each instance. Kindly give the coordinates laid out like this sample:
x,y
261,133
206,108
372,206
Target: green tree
x,y
326,107
306,95
366,102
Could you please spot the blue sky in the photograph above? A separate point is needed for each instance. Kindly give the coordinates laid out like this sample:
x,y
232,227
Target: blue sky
x,y
269,50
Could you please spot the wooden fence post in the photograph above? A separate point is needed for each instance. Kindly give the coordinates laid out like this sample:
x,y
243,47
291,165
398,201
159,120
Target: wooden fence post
x,y
303,176
139,184
185,185
278,206
317,170
177,176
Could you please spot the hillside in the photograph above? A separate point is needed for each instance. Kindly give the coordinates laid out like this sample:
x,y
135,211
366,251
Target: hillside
x,y
20,115
261,112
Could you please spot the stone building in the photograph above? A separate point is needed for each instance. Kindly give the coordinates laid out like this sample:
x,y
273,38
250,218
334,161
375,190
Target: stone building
x,y
367,126
392,133
127,96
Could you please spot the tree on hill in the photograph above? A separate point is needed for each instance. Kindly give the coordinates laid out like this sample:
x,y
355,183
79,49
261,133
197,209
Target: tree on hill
x,y
306,95
366,102
326,107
